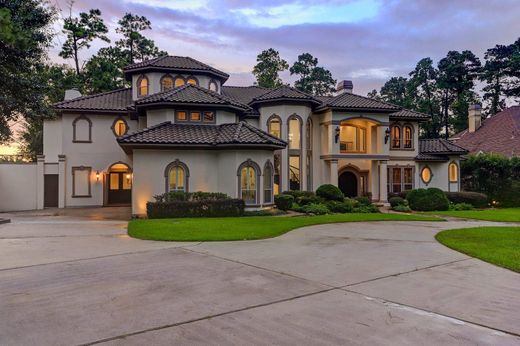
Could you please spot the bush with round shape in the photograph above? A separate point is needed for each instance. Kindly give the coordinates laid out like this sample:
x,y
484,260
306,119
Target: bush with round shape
x,y
304,200
283,202
330,193
431,199
395,201
296,193
316,209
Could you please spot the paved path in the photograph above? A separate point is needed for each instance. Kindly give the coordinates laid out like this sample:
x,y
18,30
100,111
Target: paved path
x,y
78,279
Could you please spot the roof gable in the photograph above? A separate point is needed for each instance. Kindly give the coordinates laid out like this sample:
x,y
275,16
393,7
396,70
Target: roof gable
x,y
284,93
348,101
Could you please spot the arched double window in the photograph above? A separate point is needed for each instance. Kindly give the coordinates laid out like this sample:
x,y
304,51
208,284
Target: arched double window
x,y
294,136
82,130
453,170
248,182
268,182
166,83
142,86
274,126
176,175
402,136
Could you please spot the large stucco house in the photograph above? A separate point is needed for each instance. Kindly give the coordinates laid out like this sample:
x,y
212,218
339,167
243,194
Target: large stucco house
x,y
179,127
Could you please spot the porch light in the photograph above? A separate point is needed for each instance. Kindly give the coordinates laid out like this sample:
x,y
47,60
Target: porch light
x,y
387,135
336,134
97,175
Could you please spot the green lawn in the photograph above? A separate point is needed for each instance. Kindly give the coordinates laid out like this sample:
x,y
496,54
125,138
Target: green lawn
x,y
505,215
497,245
246,228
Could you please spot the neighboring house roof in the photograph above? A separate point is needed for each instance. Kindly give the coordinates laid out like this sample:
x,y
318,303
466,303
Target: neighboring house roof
x,y
243,94
285,93
192,94
498,134
348,101
179,63
201,135
406,114
438,150
113,101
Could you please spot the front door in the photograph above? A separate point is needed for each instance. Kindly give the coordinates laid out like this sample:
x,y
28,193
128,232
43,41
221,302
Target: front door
x,y
50,190
348,184
119,188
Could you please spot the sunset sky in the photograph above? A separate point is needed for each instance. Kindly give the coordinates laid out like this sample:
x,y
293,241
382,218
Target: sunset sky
x,y
367,41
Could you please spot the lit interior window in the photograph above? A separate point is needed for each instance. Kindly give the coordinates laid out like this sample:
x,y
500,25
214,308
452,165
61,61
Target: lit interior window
x,y
179,82
120,128
426,175
143,86
167,83
182,116
192,81
195,116
454,172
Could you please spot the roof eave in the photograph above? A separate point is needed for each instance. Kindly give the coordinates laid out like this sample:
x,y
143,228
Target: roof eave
x,y
284,99
128,147
190,104
129,72
353,109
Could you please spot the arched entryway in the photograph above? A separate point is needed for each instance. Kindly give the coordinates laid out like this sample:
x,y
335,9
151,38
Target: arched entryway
x,y
348,183
119,184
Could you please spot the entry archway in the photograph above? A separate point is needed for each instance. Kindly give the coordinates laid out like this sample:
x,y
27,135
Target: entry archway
x,y
119,184
348,183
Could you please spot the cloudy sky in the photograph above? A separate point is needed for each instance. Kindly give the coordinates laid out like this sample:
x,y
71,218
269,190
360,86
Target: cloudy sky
x,y
367,41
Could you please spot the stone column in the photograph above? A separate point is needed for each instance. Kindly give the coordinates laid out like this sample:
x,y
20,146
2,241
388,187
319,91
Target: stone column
x,y
334,172
61,180
40,181
383,189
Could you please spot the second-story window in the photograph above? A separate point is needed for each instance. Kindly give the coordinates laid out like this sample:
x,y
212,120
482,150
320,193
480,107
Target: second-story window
x,y
192,80
408,137
120,127
195,116
353,139
179,81
142,86
274,126
166,83
396,137
213,86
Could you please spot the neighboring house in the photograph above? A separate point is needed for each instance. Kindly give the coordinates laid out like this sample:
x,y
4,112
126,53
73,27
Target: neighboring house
x,y
180,128
498,134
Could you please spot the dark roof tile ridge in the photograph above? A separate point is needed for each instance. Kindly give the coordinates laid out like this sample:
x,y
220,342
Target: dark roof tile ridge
x,y
86,97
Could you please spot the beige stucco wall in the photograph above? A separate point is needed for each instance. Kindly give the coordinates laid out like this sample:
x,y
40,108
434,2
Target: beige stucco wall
x,y
210,170
440,175
18,187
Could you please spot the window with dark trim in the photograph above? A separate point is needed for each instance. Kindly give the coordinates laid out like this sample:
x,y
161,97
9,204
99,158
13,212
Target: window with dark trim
x,y
176,175
402,137
82,130
453,170
408,137
277,180
294,136
120,127
179,81
274,126
143,86
396,137
166,82
213,86
192,80
248,182
81,182
195,116
426,175
268,183
400,179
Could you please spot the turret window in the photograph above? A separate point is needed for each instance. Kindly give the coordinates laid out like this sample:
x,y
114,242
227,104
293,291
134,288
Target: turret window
x,y
179,81
195,116
166,83
142,86
192,81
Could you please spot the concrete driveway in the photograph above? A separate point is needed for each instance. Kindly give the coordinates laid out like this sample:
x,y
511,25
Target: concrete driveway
x,y
75,277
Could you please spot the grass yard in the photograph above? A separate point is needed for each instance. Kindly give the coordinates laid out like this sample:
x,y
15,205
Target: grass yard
x,y
497,245
246,228
504,215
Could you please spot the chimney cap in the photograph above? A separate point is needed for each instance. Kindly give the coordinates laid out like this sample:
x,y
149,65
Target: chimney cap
x,y
475,106
345,84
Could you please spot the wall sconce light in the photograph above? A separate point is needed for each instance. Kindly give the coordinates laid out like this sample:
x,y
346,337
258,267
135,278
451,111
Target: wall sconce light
x,y
387,135
336,134
128,177
97,175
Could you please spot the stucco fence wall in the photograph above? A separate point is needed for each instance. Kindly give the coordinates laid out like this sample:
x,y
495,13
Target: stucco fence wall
x,y
18,186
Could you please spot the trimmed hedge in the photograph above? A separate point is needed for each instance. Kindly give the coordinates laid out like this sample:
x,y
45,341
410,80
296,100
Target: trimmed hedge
x,y
395,201
203,208
476,199
431,199
330,193
191,196
297,194
283,202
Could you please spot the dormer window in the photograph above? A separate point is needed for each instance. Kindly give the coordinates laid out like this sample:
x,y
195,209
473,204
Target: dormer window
x,y
192,80
213,86
142,86
179,81
166,83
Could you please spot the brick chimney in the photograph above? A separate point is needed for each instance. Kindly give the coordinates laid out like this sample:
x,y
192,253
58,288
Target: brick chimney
x,y
474,117
344,86
71,94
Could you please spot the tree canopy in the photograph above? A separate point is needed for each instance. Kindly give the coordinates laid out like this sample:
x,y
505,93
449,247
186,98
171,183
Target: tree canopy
x,y
269,65
313,79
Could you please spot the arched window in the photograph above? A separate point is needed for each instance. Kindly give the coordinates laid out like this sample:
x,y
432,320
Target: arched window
x,y
176,175
179,81
142,86
453,169
274,126
408,137
426,175
192,80
277,172
268,183
294,135
166,83
248,185
213,86
82,130
120,127
308,163
396,137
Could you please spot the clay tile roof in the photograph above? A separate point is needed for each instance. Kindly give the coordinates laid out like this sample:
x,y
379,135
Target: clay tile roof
x,y
176,63
440,146
350,101
244,94
498,134
112,101
429,157
192,94
284,93
170,134
408,114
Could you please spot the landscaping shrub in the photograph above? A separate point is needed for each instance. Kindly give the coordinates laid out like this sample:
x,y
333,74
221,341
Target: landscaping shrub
x,y
316,209
461,206
202,208
264,212
428,199
401,194
402,208
395,201
191,196
330,192
371,208
283,201
304,200
476,199
363,200
340,207
296,193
